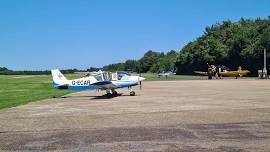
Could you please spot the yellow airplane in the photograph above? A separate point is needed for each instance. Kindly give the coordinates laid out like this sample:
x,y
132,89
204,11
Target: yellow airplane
x,y
236,74
211,71
220,72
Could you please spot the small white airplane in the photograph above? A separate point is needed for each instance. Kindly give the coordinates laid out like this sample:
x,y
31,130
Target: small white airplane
x,y
100,81
165,74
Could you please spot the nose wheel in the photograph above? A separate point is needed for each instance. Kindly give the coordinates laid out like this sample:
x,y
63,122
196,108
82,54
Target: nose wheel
x,y
132,93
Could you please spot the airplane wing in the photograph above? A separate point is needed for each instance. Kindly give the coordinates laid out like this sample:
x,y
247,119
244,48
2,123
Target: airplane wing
x,y
230,73
104,85
201,72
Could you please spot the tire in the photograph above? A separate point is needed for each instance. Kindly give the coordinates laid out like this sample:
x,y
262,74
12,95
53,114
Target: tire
x,y
109,95
132,93
115,94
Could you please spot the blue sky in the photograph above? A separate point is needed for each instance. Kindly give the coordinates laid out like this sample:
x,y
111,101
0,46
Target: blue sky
x,y
45,34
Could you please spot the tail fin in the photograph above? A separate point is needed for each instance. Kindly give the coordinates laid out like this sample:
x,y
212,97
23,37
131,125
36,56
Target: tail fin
x,y
58,77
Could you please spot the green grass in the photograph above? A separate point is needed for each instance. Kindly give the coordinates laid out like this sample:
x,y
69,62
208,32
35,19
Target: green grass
x,y
20,89
154,77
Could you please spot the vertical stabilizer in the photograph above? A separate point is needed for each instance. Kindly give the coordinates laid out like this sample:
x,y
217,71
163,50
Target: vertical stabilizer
x,y
58,77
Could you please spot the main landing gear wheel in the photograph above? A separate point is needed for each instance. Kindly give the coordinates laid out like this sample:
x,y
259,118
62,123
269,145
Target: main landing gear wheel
x,y
132,93
114,93
109,95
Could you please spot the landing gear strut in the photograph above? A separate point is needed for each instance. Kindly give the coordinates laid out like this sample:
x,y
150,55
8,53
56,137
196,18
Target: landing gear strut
x,y
109,95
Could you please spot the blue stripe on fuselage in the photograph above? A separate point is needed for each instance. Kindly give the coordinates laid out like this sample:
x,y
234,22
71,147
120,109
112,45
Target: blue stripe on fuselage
x,y
55,85
83,87
126,85
92,87
102,83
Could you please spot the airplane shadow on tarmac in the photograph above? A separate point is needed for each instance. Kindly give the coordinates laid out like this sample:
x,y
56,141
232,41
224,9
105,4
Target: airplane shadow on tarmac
x,y
95,97
106,97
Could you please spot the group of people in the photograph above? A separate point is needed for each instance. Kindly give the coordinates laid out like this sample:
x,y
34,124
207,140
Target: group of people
x,y
216,70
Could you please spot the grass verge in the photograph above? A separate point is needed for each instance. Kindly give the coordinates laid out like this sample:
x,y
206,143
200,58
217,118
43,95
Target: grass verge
x,y
21,89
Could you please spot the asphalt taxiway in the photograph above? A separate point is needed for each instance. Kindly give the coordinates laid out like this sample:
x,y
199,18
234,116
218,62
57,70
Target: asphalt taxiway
x,y
192,115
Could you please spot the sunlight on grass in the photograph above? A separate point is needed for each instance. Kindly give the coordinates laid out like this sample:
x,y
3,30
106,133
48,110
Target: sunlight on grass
x,y
21,89
18,90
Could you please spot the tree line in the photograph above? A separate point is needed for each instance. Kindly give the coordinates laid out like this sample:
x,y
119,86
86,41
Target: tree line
x,y
6,71
228,43
152,61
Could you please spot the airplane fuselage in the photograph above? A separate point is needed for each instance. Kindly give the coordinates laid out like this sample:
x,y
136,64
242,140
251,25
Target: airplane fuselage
x,y
234,73
88,83
100,81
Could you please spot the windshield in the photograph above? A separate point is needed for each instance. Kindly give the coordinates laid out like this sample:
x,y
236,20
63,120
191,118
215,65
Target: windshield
x,y
99,77
103,76
122,75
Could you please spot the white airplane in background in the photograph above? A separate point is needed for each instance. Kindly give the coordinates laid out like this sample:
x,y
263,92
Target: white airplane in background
x,y
165,74
100,81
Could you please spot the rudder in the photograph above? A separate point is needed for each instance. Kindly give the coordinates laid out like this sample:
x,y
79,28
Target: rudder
x,y
58,77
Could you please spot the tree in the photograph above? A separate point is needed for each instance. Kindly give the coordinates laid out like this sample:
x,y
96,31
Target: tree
x,y
3,69
130,65
114,67
148,60
229,43
92,69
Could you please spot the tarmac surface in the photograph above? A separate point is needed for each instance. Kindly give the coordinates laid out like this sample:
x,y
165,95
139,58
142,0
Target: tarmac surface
x,y
194,115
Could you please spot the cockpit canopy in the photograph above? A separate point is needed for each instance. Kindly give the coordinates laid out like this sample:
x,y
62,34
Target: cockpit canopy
x,y
122,75
108,76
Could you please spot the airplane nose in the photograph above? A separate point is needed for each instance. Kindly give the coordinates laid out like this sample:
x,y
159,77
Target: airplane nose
x,y
141,78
